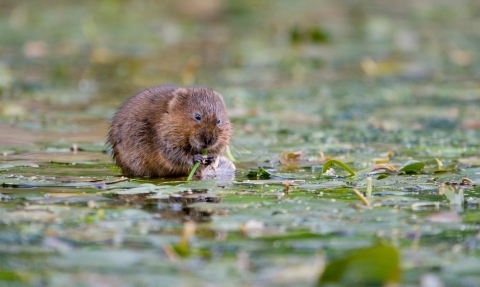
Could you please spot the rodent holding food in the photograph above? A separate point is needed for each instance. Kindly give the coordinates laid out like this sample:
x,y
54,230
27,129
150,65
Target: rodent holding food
x,y
162,131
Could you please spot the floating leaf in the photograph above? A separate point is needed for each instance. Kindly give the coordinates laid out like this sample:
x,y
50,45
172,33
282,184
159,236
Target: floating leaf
x,y
446,169
291,158
372,266
448,216
317,35
261,173
148,188
11,165
454,194
10,276
473,160
382,176
384,166
412,166
23,215
269,182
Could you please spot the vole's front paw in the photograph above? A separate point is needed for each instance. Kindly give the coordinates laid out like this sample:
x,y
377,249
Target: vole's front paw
x,y
204,159
208,159
197,158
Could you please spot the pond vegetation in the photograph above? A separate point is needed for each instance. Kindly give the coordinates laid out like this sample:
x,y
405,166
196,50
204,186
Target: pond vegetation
x,y
356,138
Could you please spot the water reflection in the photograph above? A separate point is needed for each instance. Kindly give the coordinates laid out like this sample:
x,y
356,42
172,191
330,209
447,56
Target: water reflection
x,y
176,206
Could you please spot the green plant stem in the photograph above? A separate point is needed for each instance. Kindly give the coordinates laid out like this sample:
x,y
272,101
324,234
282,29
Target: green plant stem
x,y
369,186
229,154
195,167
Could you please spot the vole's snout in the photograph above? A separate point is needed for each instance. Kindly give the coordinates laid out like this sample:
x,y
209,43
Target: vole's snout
x,y
207,140
203,140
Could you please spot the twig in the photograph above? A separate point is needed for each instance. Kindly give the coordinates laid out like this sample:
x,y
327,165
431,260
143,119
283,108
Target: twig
x,y
361,197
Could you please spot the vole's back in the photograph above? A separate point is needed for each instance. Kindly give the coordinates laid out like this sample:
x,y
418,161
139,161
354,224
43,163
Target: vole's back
x,y
132,133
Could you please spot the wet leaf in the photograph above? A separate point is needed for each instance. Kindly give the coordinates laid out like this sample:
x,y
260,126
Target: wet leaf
x,y
269,182
32,215
148,188
291,158
10,276
384,166
378,265
17,164
261,173
451,216
412,166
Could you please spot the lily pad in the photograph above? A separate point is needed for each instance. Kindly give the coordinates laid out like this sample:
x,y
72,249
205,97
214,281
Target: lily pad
x,y
148,188
412,166
261,173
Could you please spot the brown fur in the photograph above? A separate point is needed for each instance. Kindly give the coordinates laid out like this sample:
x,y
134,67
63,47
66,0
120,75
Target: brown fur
x,y
155,132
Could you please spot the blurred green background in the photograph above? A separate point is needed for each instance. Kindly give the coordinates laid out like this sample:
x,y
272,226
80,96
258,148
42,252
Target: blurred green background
x,y
65,66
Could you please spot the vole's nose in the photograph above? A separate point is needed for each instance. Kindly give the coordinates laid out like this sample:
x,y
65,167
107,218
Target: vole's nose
x,y
208,140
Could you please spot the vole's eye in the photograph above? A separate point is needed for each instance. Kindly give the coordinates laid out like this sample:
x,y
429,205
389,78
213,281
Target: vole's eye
x,y
198,117
218,121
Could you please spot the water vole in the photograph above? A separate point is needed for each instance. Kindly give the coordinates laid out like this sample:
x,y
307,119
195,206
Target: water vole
x,y
163,130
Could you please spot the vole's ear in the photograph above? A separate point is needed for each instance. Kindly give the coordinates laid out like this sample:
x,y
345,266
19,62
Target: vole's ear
x,y
179,98
181,94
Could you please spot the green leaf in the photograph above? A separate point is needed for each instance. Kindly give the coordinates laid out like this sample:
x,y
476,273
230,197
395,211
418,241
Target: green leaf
x,y
148,188
261,173
9,276
371,266
412,166
333,162
229,154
